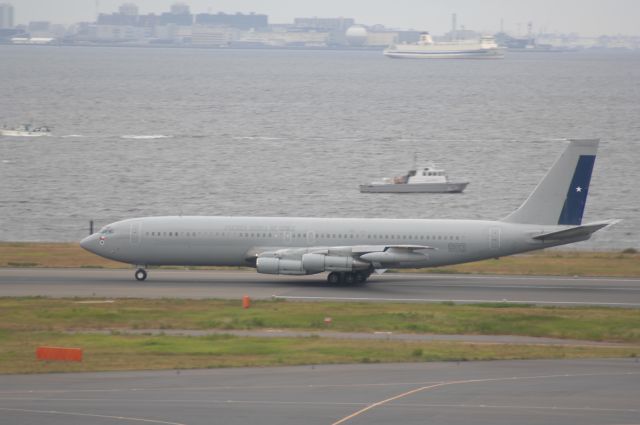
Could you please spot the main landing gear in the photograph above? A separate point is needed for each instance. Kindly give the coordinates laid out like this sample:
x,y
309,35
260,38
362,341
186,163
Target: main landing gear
x,y
141,274
348,278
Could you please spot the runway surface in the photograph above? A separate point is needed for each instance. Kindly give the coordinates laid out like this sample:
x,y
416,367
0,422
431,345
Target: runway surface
x,y
580,392
390,287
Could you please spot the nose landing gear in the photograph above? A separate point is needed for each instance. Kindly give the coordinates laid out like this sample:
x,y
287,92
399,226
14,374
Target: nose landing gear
x,y
141,274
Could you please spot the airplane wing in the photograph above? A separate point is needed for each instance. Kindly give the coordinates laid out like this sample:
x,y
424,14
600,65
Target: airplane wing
x,y
336,258
575,232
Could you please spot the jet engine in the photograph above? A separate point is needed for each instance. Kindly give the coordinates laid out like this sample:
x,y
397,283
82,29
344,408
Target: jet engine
x,y
309,264
274,265
316,263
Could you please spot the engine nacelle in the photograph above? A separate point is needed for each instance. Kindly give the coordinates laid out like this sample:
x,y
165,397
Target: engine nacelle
x,y
316,263
273,265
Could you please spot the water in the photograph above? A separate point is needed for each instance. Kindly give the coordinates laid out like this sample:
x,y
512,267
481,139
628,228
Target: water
x,y
248,132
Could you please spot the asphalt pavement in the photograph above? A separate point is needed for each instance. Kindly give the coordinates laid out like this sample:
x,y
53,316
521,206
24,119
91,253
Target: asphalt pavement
x,y
580,392
233,284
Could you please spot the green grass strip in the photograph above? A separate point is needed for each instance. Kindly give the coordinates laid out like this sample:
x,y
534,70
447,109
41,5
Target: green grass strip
x,y
583,323
138,352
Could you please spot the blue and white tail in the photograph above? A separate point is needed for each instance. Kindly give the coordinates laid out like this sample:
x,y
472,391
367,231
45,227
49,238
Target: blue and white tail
x,y
560,198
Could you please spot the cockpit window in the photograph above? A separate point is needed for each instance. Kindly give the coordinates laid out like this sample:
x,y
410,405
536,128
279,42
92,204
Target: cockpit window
x,y
106,231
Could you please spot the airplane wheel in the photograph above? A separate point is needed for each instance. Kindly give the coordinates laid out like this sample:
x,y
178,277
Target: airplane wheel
x,y
349,278
334,278
141,274
360,277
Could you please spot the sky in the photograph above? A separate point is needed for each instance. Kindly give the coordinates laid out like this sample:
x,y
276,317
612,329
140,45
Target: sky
x,y
586,17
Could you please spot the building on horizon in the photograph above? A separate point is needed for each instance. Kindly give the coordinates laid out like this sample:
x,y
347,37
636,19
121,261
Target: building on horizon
x,y
324,24
6,16
240,21
182,19
335,27
38,28
213,36
180,9
128,9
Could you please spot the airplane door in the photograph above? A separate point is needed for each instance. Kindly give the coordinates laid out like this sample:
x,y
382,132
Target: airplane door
x,y
134,235
494,238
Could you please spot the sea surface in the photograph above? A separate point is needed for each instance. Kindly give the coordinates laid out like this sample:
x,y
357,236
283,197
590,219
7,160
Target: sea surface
x,y
145,131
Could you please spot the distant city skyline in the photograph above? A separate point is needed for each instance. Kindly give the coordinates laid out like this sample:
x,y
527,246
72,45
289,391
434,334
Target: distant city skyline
x,y
586,17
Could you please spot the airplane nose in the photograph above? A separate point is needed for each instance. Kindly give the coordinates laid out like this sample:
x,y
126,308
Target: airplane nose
x,y
88,243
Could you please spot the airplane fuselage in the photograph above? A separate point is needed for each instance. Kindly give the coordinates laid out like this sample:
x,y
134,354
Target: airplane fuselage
x,y
235,241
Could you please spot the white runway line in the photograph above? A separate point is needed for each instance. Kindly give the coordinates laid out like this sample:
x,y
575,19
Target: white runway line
x,y
469,381
435,300
90,415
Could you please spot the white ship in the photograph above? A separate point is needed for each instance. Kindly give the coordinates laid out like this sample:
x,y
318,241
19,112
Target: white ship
x,y
426,48
25,130
424,180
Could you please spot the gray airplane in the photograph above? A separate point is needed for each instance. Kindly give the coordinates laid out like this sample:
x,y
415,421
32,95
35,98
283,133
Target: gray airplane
x,y
350,249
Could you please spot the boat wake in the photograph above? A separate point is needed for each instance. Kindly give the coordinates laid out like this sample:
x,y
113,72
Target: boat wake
x,y
145,136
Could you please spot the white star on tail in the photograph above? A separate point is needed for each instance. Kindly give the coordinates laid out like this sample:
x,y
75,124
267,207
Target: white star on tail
x,y
578,189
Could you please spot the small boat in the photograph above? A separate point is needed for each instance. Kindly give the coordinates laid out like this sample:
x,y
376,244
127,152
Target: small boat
x,y
426,48
424,180
25,130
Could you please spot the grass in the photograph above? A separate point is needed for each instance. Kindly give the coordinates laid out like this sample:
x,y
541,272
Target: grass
x,y
128,352
26,323
583,323
553,262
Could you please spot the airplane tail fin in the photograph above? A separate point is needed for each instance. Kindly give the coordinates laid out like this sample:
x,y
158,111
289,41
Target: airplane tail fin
x,y
561,196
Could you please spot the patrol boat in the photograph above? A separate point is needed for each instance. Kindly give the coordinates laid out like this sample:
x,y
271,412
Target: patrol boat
x,y
424,180
25,130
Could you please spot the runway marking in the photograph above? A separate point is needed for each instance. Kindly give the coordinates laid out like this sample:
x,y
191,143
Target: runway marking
x,y
519,277
371,406
326,403
469,381
436,300
221,387
91,415
519,407
268,387
509,286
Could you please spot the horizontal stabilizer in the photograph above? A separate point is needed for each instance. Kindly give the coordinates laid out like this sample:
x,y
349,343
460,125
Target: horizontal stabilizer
x,y
575,232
